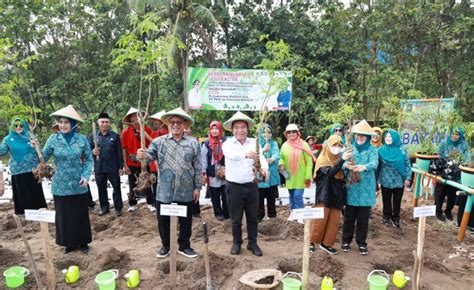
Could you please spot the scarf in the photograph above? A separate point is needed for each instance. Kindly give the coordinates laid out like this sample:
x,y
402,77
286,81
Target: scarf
x,y
361,147
19,143
379,142
392,154
297,148
461,136
68,136
215,143
273,144
326,158
338,126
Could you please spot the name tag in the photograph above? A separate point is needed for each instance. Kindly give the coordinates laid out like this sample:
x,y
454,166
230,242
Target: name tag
x,y
173,210
308,213
40,215
420,211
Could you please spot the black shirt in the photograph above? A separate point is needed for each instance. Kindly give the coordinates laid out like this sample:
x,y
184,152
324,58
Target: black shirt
x,y
110,158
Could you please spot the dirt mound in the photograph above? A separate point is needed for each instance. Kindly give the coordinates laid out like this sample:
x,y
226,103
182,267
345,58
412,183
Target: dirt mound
x,y
112,259
324,265
10,258
8,223
280,228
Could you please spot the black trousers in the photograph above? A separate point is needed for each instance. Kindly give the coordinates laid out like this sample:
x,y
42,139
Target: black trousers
x,y
353,214
219,201
270,193
114,178
243,198
185,226
132,182
195,208
392,201
442,191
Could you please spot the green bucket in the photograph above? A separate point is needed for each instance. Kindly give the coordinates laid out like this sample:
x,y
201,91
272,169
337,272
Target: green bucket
x,y
467,179
377,282
291,283
423,164
106,280
15,276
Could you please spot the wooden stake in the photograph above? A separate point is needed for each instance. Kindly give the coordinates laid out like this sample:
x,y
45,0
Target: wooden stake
x,y
173,225
50,277
418,267
28,250
306,240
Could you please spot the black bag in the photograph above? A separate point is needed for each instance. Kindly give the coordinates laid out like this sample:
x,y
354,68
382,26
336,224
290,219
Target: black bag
x,y
437,166
452,171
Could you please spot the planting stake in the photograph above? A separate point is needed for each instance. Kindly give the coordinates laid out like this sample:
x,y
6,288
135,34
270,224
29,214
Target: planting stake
x,y
306,240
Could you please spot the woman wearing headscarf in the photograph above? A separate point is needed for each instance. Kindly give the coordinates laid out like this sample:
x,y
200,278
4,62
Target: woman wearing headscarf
x,y
338,129
212,163
454,146
268,189
296,162
330,194
376,140
360,195
73,161
394,174
27,192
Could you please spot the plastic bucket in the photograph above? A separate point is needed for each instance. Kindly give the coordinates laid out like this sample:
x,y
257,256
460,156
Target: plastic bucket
x,y
377,282
291,283
15,276
423,164
467,179
106,280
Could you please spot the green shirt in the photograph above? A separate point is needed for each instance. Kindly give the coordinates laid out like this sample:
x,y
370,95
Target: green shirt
x,y
305,168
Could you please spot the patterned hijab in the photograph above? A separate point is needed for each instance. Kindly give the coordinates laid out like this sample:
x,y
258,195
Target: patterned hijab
x,y
19,143
215,143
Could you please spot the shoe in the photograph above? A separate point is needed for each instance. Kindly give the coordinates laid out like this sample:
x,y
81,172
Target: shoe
x,y
163,252
440,217
255,249
68,250
188,252
385,221
104,211
85,249
220,218
448,215
312,248
395,224
260,220
151,208
290,217
330,250
301,221
196,215
118,212
132,208
346,247
235,250
91,208
363,251
371,216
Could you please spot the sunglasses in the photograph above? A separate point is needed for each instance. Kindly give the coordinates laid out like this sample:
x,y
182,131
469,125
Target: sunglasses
x,y
337,130
19,126
292,132
179,123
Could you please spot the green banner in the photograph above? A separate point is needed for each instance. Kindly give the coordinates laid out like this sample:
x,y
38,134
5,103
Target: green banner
x,y
238,89
420,117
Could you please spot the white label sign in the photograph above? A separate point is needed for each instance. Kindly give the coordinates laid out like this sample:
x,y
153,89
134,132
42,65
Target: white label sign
x,y
420,211
40,215
308,213
173,210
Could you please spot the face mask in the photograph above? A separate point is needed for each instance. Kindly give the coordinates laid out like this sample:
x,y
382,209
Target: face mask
x,y
335,150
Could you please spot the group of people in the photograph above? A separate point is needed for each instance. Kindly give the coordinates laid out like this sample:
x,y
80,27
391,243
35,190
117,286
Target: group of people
x,y
241,173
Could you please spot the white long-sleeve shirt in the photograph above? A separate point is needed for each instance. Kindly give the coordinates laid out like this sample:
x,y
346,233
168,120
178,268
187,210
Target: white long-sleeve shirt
x,y
239,169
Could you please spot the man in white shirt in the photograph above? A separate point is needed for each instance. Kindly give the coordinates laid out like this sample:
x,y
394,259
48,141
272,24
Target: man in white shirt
x,y
241,186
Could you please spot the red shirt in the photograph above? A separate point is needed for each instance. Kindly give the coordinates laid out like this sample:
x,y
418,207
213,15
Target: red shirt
x,y
131,142
154,135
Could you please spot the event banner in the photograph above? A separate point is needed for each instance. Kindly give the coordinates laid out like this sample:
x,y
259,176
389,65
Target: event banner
x,y
238,89
413,111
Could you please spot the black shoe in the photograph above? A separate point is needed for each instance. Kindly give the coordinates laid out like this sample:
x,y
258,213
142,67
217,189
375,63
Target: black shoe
x,y
220,218
371,216
91,208
448,215
85,249
104,211
68,250
440,217
163,252
118,212
235,250
363,251
330,250
188,252
312,248
255,249
196,215
346,247
395,224
385,221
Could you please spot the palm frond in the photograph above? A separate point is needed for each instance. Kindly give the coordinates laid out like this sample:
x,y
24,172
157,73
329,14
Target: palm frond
x,y
202,14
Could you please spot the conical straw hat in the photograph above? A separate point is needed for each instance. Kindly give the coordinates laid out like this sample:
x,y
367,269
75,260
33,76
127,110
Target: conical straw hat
x,y
239,116
131,111
158,115
68,112
363,128
180,113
